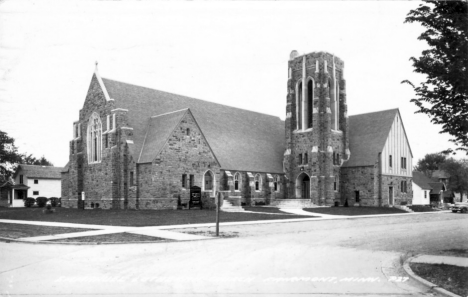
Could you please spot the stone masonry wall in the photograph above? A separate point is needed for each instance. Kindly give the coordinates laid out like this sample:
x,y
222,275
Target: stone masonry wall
x,y
363,179
160,183
319,142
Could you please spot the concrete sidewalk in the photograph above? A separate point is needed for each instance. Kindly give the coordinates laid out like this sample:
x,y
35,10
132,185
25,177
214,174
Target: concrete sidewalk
x,y
448,260
156,231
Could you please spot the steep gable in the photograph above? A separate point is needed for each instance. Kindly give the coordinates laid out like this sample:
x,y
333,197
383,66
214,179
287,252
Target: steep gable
x,y
368,134
240,139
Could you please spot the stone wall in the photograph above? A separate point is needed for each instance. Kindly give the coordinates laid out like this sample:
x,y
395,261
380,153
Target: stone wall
x,y
373,189
400,198
363,179
320,142
160,183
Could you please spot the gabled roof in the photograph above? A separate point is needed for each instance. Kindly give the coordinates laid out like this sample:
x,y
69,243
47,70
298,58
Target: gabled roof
x,y
437,188
367,135
159,129
240,139
38,171
422,180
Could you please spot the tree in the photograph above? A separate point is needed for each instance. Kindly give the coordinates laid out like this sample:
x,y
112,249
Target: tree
x,y
430,163
458,172
444,94
10,157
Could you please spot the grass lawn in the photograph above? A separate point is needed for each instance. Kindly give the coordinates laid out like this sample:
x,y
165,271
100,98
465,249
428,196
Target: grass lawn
x,y
451,278
355,211
106,238
134,218
421,208
19,230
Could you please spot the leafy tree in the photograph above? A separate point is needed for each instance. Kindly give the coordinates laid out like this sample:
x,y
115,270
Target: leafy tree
x,y
444,94
458,172
10,157
430,163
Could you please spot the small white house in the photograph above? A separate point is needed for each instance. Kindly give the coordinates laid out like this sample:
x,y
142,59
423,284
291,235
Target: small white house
x,y
31,181
425,190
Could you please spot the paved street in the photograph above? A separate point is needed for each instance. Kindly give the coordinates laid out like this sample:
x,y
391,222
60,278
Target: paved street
x,y
334,258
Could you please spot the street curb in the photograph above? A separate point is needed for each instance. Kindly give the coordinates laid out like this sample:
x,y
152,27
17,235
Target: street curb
x,y
431,286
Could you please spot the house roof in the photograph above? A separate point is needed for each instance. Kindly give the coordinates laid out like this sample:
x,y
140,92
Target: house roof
x,y
437,188
422,180
38,171
241,139
368,133
158,130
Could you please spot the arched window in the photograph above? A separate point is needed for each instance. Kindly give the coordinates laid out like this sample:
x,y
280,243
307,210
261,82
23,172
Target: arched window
x,y
299,106
258,182
310,103
276,183
237,180
337,107
208,181
332,104
94,138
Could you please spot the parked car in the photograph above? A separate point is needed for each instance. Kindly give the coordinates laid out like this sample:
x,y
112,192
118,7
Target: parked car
x,y
460,207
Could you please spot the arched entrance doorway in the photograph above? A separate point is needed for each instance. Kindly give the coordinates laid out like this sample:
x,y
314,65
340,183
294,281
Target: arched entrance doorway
x,y
303,186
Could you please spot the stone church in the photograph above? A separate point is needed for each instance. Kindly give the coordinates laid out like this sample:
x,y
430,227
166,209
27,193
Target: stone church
x,y
139,148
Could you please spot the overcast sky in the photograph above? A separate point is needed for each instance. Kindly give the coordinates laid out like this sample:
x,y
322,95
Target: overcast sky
x,y
233,53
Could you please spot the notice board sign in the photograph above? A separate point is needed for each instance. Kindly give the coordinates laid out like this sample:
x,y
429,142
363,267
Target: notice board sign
x,y
195,197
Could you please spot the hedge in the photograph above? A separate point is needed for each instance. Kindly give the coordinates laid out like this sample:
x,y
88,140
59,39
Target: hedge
x,y
28,202
41,201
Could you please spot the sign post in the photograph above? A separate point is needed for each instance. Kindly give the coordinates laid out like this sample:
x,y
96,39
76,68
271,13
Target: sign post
x,y
218,202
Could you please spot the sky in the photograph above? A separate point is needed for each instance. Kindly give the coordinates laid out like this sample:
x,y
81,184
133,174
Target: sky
x,y
230,52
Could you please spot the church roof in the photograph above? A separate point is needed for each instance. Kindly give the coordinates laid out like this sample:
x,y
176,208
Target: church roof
x,y
240,139
159,129
367,135
38,171
422,180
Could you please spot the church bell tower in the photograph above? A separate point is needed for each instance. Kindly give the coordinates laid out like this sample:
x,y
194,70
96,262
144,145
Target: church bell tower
x,y
316,127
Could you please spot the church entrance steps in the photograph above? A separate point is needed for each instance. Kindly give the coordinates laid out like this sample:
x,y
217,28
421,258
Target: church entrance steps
x,y
293,203
403,207
228,207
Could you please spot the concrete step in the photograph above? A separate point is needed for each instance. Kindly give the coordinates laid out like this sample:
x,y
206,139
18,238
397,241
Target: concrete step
x,y
228,207
403,207
293,203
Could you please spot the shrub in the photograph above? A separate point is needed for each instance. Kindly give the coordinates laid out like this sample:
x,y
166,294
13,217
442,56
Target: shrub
x,y
41,201
259,203
54,201
28,202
